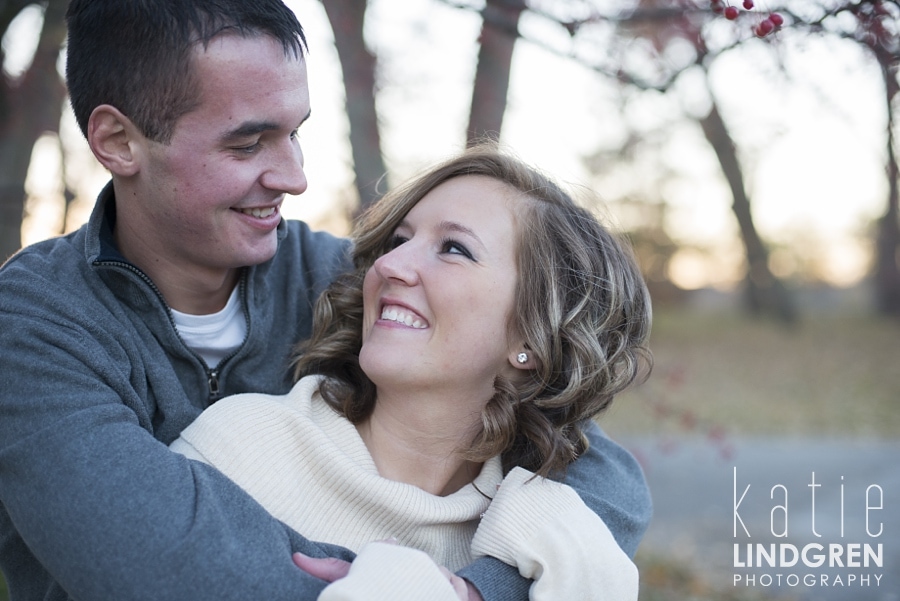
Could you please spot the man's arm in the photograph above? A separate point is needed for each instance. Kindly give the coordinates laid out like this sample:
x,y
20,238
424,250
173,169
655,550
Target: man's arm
x,y
106,509
611,483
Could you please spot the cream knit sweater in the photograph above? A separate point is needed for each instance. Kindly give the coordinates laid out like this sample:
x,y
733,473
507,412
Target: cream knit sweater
x,y
309,467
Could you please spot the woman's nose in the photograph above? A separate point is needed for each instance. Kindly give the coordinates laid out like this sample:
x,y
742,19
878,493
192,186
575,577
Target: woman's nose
x,y
399,264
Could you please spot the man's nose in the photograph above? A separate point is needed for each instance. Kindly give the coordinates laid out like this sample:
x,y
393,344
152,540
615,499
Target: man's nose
x,y
286,174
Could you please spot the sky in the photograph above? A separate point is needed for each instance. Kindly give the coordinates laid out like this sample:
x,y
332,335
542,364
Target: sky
x,y
812,150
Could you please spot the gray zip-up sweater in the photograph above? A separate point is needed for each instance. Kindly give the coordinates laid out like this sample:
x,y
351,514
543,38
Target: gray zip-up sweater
x,y
95,382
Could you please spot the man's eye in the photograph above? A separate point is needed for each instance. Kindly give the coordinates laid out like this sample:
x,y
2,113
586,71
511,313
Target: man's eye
x,y
249,149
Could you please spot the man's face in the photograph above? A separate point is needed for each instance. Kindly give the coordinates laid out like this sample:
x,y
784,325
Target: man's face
x,y
210,200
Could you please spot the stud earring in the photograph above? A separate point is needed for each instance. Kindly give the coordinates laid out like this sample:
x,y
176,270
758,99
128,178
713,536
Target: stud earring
x,y
522,357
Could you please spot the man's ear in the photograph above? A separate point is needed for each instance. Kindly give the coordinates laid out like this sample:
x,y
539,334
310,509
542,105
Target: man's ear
x,y
114,140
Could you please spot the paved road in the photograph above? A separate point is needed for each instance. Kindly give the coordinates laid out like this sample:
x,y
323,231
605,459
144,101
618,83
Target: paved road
x,y
803,488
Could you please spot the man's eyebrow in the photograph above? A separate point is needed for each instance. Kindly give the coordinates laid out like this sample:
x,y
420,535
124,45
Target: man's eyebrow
x,y
253,128
248,129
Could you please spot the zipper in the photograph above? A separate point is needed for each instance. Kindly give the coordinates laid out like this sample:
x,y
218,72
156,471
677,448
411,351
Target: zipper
x,y
215,392
213,383
212,374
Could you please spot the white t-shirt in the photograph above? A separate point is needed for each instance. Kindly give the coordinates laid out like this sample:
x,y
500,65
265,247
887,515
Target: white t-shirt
x,y
214,336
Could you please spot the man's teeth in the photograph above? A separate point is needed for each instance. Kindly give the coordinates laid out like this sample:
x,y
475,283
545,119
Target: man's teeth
x,y
401,316
259,212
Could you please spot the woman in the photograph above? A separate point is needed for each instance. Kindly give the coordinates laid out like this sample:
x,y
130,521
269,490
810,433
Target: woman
x,y
488,319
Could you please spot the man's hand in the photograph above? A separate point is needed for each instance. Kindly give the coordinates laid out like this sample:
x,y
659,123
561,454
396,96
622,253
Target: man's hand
x,y
328,569
460,586
472,592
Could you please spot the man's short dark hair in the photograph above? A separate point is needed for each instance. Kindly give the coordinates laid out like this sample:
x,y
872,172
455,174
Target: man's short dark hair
x,y
136,54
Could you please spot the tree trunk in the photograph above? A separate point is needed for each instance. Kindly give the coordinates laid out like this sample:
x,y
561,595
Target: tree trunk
x,y
358,64
34,106
887,240
765,292
499,31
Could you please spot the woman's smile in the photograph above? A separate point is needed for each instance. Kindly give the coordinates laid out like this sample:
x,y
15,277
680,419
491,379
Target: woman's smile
x,y
404,316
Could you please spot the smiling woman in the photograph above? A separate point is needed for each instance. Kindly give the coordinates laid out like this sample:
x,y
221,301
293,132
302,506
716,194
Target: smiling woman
x,y
453,269
488,319
580,308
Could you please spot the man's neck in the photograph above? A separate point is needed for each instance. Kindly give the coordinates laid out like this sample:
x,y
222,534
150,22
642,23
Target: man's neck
x,y
197,295
188,289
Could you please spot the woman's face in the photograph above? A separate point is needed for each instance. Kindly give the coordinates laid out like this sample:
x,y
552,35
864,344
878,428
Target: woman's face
x,y
437,306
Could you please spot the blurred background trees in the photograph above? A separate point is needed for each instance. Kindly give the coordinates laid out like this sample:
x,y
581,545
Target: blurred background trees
x,y
688,109
647,51
31,104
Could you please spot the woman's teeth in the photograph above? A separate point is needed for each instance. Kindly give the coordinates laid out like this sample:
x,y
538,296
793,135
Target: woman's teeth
x,y
401,316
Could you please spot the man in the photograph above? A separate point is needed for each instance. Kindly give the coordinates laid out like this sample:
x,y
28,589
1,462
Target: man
x,y
185,285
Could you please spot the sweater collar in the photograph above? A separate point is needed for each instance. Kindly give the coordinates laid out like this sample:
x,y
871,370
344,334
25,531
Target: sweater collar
x,y
99,243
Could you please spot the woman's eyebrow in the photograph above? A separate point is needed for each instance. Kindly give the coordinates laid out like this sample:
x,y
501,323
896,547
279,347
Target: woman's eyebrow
x,y
454,226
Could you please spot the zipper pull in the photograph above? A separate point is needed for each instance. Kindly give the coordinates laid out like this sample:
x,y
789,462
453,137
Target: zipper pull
x,y
213,382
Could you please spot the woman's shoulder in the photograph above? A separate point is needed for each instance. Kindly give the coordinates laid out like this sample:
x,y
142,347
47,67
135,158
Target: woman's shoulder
x,y
301,412
254,426
299,400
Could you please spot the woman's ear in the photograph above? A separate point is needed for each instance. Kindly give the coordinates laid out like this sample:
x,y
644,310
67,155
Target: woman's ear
x,y
113,138
523,358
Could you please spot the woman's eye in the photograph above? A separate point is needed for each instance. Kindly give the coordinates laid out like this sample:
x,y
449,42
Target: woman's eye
x,y
395,241
453,247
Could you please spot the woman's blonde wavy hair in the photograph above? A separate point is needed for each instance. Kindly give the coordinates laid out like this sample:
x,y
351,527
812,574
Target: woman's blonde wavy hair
x,y
581,307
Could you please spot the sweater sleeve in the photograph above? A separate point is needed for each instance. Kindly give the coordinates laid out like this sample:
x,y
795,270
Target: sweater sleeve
x,y
92,506
547,531
611,483
386,572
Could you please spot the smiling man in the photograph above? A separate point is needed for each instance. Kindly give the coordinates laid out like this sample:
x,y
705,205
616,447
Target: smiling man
x,y
195,209
184,286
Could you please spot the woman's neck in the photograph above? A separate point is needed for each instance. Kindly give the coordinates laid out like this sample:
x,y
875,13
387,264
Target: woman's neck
x,y
422,443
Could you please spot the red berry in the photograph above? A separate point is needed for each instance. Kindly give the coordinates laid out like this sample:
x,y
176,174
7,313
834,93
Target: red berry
x,y
717,7
748,4
776,19
764,28
731,13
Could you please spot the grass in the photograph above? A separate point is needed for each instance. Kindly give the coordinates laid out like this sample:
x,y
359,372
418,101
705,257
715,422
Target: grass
x,y
724,373
666,579
829,375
